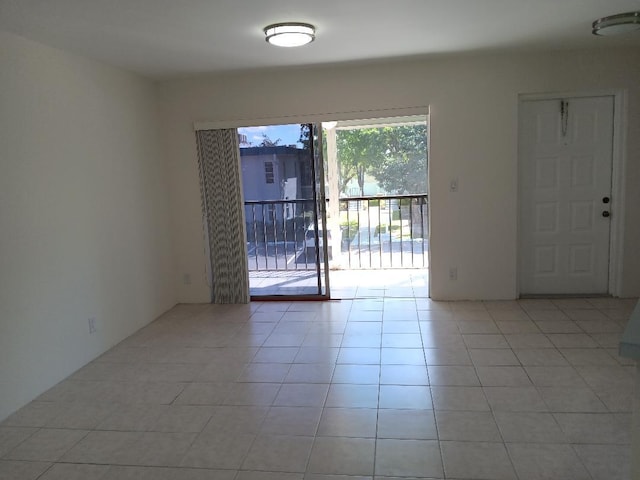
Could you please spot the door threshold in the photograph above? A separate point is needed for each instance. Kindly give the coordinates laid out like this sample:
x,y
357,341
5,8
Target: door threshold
x,y
290,298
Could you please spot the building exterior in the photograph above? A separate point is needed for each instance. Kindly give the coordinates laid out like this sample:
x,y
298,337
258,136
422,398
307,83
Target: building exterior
x,y
272,174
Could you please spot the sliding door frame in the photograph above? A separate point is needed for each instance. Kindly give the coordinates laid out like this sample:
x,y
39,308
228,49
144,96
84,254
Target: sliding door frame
x,y
321,207
315,119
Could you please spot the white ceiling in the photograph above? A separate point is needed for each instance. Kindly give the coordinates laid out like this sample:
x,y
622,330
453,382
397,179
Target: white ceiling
x,y
168,38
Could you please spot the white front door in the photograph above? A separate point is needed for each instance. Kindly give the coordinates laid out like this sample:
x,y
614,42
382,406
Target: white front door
x,y
565,151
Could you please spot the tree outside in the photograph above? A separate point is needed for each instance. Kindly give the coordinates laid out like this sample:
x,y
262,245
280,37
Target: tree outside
x,y
395,156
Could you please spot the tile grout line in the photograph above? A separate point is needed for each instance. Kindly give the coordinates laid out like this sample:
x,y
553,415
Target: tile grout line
x,y
493,413
433,406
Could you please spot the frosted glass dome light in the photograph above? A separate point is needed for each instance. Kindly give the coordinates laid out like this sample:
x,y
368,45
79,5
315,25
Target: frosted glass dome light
x,y
617,24
291,34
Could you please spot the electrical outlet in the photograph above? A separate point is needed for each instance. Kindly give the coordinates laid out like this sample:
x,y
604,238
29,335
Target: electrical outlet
x,y
186,279
92,324
453,273
453,185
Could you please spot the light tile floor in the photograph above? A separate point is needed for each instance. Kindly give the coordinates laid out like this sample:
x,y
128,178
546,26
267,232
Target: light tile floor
x,y
361,389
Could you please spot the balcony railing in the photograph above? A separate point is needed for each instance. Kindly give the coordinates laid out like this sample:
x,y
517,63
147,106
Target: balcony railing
x,y
388,231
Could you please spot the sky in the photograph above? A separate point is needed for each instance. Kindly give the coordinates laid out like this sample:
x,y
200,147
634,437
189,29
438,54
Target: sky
x,y
288,134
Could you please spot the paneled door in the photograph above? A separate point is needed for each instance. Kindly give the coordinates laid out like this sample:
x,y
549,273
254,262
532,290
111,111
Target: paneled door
x,y
565,151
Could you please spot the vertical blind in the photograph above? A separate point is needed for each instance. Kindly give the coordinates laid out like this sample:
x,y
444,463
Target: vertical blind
x,y
222,206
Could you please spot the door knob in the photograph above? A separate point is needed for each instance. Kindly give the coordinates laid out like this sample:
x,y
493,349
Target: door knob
x,y
606,199
606,214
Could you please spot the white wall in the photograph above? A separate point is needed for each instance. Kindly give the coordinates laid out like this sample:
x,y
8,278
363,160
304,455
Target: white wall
x,y
84,224
474,109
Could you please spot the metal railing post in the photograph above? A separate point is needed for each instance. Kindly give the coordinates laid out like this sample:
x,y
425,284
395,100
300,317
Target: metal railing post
x,y
349,232
401,244
380,232
298,207
275,232
284,233
369,227
255,234
390,236
359,237
411,227
422,204
264,232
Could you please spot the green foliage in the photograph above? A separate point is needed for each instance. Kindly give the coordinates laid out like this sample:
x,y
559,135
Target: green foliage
x,y
384,229
358,150
305,135
395,156
403,167
349,229
380,230
267,142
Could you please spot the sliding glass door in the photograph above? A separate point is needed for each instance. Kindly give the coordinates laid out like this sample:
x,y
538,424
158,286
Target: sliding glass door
x,y
284,202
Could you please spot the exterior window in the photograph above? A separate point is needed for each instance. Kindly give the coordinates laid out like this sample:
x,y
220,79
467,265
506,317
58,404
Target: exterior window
x,y
268,172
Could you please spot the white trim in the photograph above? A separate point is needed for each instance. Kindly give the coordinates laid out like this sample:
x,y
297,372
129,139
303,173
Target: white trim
x,y
313,118
361,118
429,263
524,97
618,170
381,122
620,112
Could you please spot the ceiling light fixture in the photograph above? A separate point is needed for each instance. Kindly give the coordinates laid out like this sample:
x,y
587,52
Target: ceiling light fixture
x,y
289,34
617,24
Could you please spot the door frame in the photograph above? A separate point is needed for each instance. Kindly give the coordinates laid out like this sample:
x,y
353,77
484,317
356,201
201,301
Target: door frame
x,y
319,217
618,168
319,178
343,115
